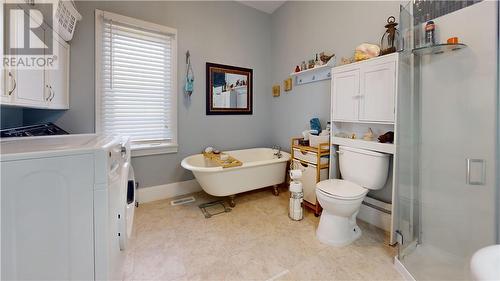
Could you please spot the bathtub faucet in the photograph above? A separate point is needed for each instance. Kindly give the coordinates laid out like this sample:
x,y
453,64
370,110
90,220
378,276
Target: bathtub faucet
x,y
278,151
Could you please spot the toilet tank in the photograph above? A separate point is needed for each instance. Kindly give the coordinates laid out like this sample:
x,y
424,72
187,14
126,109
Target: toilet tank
x,y
366,168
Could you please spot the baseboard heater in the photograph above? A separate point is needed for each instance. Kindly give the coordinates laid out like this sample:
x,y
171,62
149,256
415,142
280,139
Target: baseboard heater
x,y
377,205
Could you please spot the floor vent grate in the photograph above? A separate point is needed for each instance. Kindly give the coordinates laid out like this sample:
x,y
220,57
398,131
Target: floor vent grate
x,y
182,201
214,208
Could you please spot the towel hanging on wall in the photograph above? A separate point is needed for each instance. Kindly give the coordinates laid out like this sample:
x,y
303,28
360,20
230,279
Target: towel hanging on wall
x,y
188,87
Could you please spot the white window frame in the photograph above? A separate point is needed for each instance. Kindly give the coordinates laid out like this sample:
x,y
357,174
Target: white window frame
x,y
138,148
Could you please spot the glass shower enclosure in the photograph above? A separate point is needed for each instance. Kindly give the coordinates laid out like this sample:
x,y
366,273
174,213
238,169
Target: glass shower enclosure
x,y
448,193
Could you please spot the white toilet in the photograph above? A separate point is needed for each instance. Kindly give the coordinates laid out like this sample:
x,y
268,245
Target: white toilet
x,y
362,171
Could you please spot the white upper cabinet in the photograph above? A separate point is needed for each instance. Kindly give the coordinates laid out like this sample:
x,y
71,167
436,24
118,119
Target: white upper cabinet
x,y
43,87
365,91
25,85
345,101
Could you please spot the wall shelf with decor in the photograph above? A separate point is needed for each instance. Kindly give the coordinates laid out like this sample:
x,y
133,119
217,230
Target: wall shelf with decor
x,y
315,74
438,49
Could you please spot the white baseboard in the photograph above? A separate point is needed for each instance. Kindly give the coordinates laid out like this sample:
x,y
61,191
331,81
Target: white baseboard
x,y
164,191
402,270
375,217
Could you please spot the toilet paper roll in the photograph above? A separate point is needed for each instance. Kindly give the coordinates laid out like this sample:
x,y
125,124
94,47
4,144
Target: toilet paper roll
x,y
305,135
295,174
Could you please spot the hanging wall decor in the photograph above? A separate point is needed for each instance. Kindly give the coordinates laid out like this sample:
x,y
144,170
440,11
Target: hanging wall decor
x,y
189,86
287,84
276,91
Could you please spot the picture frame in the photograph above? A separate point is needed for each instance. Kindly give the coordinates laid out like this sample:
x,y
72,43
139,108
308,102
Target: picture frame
x,y
229,90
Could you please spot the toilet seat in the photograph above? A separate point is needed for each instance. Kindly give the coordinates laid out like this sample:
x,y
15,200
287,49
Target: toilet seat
x,y
341,189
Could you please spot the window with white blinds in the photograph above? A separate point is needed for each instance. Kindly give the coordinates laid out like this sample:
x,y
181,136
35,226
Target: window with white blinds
x,y
136,77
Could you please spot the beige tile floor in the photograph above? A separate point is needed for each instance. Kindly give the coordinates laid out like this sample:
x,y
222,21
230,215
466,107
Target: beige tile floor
x,y
255,241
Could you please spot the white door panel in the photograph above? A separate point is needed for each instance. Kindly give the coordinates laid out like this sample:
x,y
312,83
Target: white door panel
x,y
47,205
57,80
378,89
345,95
29,82
30,88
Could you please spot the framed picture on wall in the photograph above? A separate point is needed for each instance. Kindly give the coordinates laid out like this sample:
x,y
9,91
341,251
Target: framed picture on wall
x,y
229,89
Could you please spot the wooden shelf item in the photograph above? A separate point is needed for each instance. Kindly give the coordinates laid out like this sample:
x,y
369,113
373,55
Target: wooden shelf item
x,y
323,149
229,163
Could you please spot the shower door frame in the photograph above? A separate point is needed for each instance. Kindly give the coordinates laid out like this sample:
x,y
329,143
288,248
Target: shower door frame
x,y
404,246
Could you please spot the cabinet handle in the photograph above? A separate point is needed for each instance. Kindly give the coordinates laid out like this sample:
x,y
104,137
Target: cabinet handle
x,y
478,179
15,83
53,93
47,98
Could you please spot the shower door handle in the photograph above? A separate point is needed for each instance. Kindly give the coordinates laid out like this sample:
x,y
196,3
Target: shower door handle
x,y
475,171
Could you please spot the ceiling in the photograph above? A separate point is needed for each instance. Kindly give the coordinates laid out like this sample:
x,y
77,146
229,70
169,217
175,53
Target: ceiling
x,y
263,5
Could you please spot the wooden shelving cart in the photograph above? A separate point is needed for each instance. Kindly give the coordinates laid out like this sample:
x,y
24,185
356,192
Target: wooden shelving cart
x,y
314,162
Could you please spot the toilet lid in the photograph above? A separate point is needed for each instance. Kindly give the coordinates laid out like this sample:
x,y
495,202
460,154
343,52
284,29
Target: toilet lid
x,y
341,189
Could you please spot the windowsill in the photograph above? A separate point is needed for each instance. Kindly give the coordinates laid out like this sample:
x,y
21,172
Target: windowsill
x,y
153,149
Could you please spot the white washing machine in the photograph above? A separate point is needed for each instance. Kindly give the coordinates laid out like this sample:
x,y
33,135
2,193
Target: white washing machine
x,y
65,214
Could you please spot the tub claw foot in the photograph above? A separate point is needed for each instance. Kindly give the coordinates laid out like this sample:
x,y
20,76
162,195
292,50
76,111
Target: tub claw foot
x,y
232,204
276,191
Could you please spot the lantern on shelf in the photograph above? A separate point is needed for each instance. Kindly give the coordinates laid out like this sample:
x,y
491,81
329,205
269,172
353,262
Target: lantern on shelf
x,y
390,39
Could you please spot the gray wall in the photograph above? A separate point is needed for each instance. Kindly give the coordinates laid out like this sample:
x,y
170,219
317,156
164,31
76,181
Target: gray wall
x,y
302,28
17,116
10,117
221,32
226,32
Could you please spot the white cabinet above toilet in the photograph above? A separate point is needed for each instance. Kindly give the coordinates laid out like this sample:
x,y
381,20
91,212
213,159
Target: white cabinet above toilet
x,y
365,91
364,99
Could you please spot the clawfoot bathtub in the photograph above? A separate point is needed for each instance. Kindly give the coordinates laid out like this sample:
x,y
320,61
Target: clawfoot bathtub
x,y
261,168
